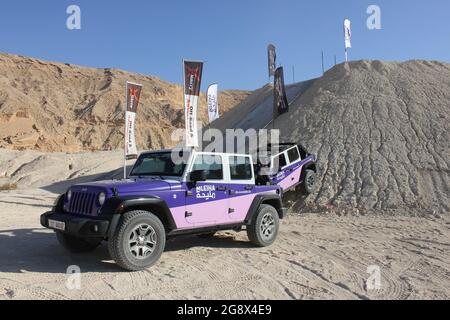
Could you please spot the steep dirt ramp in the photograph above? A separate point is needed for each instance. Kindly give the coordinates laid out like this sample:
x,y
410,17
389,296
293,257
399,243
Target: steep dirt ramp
x,y
256,111
381,133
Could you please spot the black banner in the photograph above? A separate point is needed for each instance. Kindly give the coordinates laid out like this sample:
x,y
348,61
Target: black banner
x,y
133,96
281,104
192,82
192,77
218,309
272,59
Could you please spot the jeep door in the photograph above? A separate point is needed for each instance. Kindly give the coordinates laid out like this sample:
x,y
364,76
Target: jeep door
x,y
290,163
241,185
207,201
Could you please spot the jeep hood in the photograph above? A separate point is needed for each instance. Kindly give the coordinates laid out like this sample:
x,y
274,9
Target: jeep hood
x,y
132,186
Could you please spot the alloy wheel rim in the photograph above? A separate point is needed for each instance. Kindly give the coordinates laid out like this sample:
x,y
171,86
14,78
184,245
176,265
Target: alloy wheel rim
x,y
142,241
310,181
267,226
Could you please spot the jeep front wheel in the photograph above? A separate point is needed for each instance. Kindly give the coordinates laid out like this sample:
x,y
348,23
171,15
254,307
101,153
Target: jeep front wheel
x,y
138,242
263,230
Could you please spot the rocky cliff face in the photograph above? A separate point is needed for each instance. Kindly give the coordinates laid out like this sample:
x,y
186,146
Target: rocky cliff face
x,y
61,107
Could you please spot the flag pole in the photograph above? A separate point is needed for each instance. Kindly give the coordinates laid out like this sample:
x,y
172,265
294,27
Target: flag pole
x,y
125,135
323,65
293,74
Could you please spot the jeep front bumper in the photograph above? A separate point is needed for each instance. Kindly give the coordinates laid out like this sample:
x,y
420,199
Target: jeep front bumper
x,y
77,226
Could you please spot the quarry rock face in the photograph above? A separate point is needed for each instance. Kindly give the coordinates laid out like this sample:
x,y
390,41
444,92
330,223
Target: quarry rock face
x,y
52,107
381,132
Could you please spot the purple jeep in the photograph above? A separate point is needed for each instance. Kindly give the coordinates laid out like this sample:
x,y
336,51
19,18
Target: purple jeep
x,y
291,168
206,193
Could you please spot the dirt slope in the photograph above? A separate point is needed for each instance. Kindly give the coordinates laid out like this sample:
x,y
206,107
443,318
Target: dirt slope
x,y
381,132
60,107
380,129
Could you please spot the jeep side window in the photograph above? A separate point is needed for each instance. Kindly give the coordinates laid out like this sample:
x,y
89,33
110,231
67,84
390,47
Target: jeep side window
x,y
240,168
279,162
211,164
293,155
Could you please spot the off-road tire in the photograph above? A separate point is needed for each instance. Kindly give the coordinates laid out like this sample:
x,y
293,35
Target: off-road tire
x,y
308,183
254,230
77,245
118,245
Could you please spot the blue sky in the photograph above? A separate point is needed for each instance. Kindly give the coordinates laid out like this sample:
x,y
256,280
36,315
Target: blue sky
x,y
152,37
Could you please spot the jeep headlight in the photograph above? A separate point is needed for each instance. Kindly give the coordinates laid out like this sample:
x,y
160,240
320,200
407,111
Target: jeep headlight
x,y
101,198
69,195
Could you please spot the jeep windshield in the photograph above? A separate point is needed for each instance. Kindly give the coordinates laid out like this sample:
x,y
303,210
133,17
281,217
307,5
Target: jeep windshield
x,y
158,164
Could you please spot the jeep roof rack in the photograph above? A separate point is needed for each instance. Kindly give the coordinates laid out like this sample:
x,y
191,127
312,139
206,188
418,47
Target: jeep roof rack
x,y
281,147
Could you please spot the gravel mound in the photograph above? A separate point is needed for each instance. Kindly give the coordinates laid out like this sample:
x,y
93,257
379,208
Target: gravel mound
x,y
381,133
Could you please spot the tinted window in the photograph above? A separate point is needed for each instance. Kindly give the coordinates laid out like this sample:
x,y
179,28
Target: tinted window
x,y
279,162
293,155
240,168
157,164
211,164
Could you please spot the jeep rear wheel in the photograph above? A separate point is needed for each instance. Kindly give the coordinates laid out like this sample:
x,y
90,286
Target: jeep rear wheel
x,y
263,230
308,183
77,245
138,242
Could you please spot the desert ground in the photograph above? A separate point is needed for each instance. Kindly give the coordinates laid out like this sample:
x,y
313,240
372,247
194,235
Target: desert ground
x,y
315,257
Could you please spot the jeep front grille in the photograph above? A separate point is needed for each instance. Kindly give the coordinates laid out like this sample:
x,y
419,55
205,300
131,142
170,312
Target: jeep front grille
x,y
82,203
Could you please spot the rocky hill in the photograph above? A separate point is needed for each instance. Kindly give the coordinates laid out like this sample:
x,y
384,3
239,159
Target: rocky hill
x,y
49,106
381,131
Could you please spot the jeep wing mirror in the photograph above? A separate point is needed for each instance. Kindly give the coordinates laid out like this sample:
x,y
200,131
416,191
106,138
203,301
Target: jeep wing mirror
x,y
198,176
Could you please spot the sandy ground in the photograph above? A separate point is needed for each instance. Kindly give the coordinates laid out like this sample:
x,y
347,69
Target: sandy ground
x,y
315,257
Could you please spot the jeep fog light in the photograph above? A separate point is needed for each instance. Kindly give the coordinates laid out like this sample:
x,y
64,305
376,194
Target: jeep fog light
x,y
101,198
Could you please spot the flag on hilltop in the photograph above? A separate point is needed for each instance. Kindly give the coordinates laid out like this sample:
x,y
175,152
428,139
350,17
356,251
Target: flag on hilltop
x,y
347,36
272,59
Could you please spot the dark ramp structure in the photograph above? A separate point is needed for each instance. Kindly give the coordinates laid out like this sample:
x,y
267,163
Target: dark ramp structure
x,y
256,111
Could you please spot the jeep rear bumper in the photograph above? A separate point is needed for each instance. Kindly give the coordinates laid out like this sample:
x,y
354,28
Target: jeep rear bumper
x,y
77,226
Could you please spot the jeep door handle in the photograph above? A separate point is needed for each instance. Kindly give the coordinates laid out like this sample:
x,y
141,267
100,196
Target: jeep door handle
x,y
222,188
248,188
232,192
